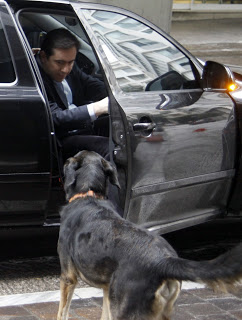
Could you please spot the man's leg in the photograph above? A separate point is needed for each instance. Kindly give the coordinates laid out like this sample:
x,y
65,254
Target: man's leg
x,y
73,144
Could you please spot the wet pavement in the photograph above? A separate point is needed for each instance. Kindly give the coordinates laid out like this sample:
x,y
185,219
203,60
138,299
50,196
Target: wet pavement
x,y
32,269
31,279
200,304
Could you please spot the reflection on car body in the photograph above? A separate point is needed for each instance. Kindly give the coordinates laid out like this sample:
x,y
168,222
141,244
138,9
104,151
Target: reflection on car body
x,y
175,125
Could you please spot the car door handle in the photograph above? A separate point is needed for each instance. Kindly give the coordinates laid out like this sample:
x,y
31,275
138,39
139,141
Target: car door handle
x,y
144,126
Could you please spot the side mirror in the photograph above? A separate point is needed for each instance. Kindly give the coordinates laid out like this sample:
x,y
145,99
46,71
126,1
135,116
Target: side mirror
x,y
171,80
217,77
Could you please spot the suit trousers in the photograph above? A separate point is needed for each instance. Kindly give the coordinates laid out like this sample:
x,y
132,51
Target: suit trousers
x,y
71,145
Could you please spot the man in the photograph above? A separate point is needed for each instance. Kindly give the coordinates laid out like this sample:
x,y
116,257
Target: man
x,y
76,99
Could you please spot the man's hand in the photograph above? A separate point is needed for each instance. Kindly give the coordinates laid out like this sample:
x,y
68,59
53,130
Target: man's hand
x,y
100,107
35,50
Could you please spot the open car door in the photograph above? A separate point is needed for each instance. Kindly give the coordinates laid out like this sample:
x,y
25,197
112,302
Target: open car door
x,y
175,141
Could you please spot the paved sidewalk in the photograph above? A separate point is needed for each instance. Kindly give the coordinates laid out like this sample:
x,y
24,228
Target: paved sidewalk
x,y
218,40
200,304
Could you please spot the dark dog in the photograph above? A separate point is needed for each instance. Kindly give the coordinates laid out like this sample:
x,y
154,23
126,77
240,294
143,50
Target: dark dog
x,y
140,273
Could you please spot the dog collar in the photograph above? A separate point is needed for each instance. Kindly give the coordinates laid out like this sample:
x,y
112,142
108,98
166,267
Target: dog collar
x,y
89,193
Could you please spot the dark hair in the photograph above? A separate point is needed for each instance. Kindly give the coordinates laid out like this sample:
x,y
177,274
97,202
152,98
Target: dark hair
x,y
59,39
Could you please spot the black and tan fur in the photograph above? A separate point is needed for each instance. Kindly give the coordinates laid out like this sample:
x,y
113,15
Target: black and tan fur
x,y
140,273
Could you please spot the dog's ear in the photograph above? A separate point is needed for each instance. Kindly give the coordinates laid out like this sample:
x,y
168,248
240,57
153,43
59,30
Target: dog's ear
x,y
70,168
111,172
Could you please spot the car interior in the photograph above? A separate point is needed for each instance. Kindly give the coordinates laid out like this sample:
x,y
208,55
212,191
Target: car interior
x,y
37,24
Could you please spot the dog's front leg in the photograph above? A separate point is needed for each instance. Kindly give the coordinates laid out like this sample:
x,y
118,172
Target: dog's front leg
x,y
106,313
67,287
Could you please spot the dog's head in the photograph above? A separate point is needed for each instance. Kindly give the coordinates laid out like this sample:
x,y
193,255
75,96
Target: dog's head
x,y
86,171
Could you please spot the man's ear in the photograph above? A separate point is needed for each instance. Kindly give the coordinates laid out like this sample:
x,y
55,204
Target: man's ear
x,y
111,172
43,56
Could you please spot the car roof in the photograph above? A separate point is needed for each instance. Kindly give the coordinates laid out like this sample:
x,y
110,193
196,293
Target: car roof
x,y
24,3
28,1
18,2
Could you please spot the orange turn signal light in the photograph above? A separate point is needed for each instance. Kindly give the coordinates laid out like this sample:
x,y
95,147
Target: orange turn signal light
x,y
233,86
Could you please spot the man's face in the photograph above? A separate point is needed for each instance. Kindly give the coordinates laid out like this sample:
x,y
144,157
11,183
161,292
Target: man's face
x,y
59,64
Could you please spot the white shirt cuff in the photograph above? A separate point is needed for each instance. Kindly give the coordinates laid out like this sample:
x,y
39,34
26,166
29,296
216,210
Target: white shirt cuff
x,y
91,112
72,106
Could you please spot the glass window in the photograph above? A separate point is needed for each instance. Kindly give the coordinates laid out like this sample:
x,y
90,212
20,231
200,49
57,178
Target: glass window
x,y
141,58
7,74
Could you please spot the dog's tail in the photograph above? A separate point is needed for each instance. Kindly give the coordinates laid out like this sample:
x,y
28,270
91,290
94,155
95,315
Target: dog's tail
x,y
220,274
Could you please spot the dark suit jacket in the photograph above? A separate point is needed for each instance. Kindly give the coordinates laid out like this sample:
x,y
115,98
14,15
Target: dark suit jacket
x,y
85,89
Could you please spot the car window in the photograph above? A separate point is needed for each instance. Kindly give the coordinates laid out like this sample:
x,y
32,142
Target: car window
x,y
7,74
141,58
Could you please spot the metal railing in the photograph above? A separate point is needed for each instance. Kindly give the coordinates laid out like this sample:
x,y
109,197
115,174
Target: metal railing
x,y
202,4
219,1
209,1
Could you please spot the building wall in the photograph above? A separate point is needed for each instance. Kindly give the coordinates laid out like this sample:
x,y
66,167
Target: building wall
x,y
157,11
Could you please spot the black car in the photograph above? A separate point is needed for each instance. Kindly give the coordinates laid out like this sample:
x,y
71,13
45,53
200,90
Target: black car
x,y
175,124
